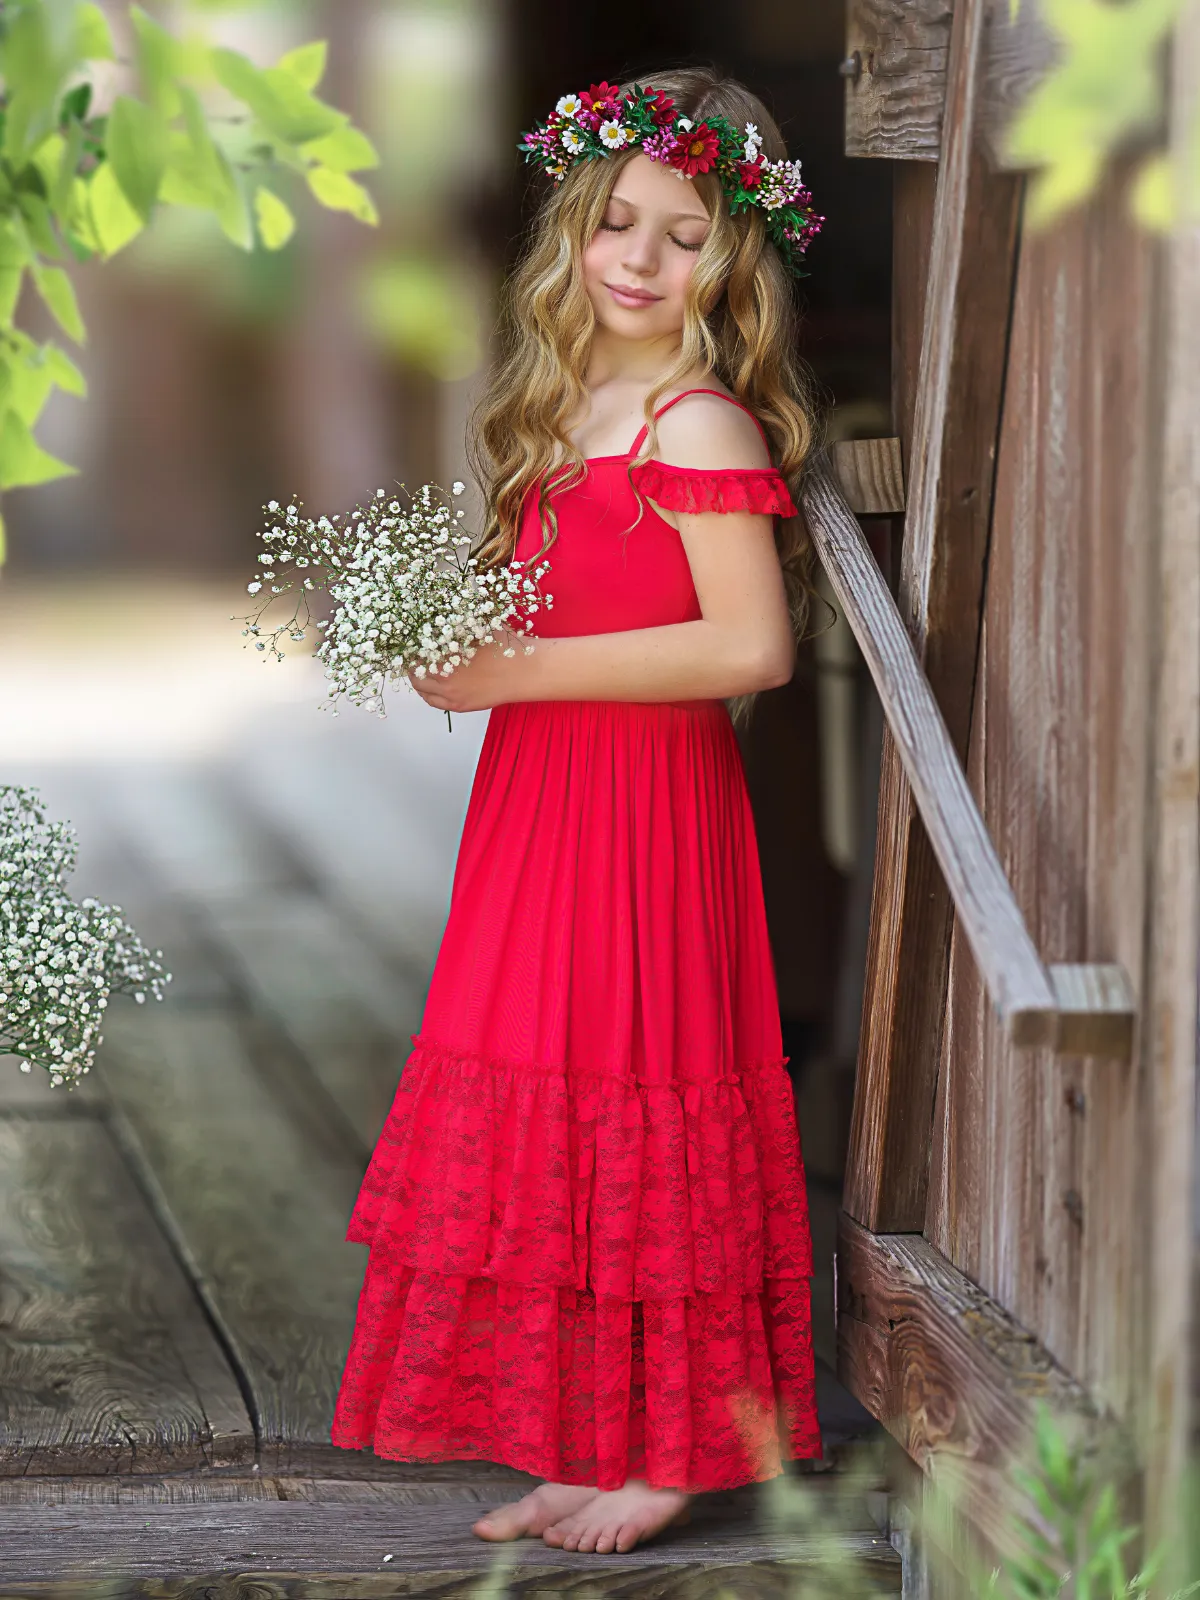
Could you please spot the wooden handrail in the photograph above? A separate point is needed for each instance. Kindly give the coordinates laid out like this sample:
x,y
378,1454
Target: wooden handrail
x,y
1076,1009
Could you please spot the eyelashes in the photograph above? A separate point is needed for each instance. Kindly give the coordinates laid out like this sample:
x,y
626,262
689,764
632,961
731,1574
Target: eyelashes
x,y
621,227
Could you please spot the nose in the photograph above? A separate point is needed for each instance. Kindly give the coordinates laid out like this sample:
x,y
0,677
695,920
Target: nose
x,y
641,252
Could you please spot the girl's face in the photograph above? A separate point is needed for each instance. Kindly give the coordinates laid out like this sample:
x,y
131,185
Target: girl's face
x,y
637,265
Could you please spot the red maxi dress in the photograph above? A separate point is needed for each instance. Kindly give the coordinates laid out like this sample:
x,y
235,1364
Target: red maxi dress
x,y
589,1242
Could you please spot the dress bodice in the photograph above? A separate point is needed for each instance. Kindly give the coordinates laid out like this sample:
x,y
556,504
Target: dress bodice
x,y
611,569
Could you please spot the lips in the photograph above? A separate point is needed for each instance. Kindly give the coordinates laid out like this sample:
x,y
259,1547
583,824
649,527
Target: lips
x,y
642,296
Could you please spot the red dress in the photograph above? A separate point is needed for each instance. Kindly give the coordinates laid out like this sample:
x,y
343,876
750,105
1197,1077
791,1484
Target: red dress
x,y
590,1254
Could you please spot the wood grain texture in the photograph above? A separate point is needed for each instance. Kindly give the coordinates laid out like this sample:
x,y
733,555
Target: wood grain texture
x,y
956,405
869,473
272,1539
1015,977
1041,1171
257,1198
1020,51
894,105
107,1362
954,1376
1170,1043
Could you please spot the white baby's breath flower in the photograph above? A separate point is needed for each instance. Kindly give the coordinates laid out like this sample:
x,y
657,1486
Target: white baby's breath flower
x,y
61,958
457,488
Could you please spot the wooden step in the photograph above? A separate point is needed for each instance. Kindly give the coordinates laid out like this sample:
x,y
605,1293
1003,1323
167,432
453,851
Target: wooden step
x,y
339,1540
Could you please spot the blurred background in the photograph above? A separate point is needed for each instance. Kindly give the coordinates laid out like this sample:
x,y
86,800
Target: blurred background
x,y
220,379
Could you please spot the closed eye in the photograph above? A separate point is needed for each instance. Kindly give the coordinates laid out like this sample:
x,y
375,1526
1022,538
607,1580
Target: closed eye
x,y
622,227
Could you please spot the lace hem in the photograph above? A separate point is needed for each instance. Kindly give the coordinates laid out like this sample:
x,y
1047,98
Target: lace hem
x,y
698,1394
690,489
636,1191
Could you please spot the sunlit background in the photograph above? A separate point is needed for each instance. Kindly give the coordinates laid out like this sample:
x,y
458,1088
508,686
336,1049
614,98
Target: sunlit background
x,y
219,379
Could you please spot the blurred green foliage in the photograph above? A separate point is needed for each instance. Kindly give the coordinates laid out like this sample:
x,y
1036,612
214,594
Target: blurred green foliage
x,y
205,129
1105,92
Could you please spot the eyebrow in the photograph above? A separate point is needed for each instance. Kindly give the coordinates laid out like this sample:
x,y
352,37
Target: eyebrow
x,y
675,216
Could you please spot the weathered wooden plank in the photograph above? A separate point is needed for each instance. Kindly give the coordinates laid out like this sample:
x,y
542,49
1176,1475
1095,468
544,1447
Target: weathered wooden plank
x,y
869,474
957,405
122,1490
896,71
1170,1045
257,1198
266,1542
1017,982
894,100
391,868
1096,1007
108,1362
327,991
1047,1169
953,1376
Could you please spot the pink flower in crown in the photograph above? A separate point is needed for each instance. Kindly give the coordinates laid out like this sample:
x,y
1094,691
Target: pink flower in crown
x,y
660,146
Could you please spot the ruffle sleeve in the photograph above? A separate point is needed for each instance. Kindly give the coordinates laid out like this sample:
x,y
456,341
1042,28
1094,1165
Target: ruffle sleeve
x,y
729,489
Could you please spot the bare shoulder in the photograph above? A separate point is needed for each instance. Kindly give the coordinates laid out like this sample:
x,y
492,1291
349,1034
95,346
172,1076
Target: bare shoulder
x,y
705,432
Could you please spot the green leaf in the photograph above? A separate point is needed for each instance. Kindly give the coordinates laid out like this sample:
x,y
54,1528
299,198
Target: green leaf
x,y
14,258
63,371
81,230
339,192
23,462
1153,199
137,150
58,292
38,224
62,179
93,40
114,221
306,64
161,60
276,223
280,103
344,150
75,103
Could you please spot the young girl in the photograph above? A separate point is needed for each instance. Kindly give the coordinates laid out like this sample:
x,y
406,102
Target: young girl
x,y
590,1254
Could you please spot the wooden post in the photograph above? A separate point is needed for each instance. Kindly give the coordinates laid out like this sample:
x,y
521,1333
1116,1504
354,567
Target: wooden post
x,y
950,473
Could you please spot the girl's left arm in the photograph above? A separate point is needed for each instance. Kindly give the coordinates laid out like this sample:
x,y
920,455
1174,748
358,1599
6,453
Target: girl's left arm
x,y
742,642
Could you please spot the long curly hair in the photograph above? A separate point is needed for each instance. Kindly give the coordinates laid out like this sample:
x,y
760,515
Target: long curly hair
x,y
740,322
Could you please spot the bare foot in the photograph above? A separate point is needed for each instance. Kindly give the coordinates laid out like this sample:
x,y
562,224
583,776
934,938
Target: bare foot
x,y
617,1519
535,1512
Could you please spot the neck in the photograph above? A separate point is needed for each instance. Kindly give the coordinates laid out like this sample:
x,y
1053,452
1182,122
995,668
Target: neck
x,y
613,359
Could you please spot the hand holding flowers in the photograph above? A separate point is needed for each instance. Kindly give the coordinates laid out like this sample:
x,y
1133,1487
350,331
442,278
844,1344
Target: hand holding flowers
x,y
413,604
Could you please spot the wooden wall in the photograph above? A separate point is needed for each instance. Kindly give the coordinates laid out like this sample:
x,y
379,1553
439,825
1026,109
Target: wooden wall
x,y
1037,1172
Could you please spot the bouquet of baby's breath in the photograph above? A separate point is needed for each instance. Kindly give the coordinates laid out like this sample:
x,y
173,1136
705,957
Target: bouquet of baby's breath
x,y
59,959
411,598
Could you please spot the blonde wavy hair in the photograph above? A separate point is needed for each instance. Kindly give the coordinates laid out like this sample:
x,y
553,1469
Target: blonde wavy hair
x,y
739,323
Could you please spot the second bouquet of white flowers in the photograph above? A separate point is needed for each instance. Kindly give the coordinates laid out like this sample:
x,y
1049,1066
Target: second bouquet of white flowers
x,y
411,599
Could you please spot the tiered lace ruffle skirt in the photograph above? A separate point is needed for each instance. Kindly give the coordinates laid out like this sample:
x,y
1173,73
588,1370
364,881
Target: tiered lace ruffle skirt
x,y
589,1243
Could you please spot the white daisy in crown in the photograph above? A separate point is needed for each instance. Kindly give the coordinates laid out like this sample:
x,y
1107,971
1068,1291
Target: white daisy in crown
x,y
612,134
572,140
569,106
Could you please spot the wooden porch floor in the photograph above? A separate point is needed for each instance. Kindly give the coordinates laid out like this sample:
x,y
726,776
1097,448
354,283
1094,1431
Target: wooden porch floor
x,y
176,1294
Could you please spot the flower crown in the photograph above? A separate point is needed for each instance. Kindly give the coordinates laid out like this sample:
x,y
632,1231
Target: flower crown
x,y
603,121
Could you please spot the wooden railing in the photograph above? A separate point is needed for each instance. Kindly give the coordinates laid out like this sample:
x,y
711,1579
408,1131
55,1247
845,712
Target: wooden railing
x,y
1082,1009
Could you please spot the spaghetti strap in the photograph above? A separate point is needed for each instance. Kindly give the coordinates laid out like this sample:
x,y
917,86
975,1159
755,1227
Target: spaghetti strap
x,y
675,399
